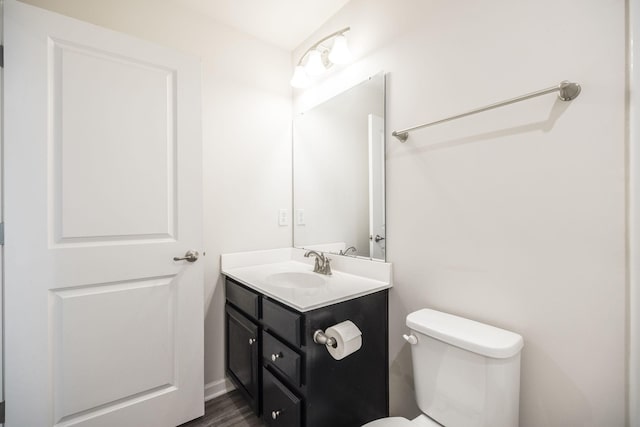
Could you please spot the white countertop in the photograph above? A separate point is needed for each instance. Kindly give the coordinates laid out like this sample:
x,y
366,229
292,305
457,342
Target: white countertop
x,y
351,277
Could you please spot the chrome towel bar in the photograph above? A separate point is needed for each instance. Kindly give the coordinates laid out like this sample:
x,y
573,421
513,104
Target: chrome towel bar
x,y
567,91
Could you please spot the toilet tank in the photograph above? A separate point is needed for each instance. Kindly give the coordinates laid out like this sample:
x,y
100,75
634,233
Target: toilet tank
x,y
466,373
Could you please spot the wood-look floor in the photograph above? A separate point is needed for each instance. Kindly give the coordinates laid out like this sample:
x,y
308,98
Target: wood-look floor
x,y
228,410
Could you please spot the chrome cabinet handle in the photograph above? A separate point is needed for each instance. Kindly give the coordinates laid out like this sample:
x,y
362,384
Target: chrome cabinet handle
x,y
191,256
275,414
275,357
251,341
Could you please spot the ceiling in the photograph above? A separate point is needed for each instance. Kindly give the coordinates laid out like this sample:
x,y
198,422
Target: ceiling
x,y
284,23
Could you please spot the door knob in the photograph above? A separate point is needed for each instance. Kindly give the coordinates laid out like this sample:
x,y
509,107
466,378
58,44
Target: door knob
x,y
191,256
377,238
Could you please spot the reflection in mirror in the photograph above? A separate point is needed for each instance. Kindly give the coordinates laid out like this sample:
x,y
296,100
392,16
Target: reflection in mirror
x,y
338,173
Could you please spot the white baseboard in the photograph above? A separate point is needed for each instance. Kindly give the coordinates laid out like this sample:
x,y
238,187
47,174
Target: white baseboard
x,y
217,388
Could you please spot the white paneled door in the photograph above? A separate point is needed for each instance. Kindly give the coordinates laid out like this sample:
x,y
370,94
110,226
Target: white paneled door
x,y
103,189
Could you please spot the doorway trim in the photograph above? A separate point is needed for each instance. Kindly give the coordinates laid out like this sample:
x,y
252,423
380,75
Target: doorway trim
x,y
633,215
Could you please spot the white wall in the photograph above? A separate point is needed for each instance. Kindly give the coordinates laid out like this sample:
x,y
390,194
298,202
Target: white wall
x,y
246,131
514,217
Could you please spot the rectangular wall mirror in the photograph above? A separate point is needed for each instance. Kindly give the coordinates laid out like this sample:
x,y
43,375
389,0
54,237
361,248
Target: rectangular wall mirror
x,y
339,173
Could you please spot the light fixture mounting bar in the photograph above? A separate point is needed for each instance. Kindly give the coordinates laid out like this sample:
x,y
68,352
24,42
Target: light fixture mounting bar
x,y
324,39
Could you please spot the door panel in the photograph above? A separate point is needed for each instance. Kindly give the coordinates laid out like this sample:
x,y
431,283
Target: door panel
x,y
103,187
95,138
86,331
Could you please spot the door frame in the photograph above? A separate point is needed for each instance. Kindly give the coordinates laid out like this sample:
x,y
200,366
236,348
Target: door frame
x,y
374,120
2,214
633,214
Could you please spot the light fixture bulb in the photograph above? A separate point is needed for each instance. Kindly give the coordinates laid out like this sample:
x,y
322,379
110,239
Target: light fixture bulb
x,y
340,53
300,78
315,65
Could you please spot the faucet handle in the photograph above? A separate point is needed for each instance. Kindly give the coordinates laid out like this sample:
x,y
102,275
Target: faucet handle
x,y
327,266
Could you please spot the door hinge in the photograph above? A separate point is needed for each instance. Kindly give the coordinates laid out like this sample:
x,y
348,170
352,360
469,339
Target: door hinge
x,y
1,56
1,233
2,412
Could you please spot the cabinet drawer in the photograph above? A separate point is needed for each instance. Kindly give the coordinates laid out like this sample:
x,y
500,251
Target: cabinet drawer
x,y
281,408
281,357
283,322
244,299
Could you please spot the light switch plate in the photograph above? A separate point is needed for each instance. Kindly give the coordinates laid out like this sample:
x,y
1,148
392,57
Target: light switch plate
x,y
283,217
299,216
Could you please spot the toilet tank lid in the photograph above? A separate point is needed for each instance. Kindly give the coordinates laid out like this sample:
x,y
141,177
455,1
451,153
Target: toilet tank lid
x,y
470,335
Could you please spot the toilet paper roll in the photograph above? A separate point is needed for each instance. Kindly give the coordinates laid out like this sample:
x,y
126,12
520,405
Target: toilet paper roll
x,y
348,339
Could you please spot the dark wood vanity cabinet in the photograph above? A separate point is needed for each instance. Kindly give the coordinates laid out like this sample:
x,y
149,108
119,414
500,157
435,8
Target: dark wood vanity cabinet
x,y
298,383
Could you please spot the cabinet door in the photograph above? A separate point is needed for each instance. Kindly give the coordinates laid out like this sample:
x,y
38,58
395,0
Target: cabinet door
x,y
243,356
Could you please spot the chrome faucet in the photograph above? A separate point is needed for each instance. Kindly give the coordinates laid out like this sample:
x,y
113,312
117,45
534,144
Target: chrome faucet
x,y
322,263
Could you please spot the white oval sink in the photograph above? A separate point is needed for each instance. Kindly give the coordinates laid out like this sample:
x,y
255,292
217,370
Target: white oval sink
x,y
296,279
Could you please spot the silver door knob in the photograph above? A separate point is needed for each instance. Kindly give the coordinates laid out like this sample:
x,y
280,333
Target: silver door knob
x,y
191,256
275,414
377,238
251,341
275,356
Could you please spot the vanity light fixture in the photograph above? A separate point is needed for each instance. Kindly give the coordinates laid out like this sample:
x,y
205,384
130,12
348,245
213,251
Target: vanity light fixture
x,y
315,64
319,58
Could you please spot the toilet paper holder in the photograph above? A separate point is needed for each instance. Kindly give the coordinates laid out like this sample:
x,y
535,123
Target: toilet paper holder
x,y
319,337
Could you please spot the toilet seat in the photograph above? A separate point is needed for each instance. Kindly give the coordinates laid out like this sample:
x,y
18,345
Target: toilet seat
x,y
420,421
389,422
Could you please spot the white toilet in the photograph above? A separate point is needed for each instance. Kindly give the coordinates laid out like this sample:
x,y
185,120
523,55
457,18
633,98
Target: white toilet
x,y
466,373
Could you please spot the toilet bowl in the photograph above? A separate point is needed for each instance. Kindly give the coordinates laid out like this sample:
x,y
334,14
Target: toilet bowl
x,y
466,373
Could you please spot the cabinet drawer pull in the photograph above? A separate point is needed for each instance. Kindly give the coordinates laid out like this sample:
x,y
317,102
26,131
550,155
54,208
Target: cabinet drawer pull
x,y
275,414
251,341
274,357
